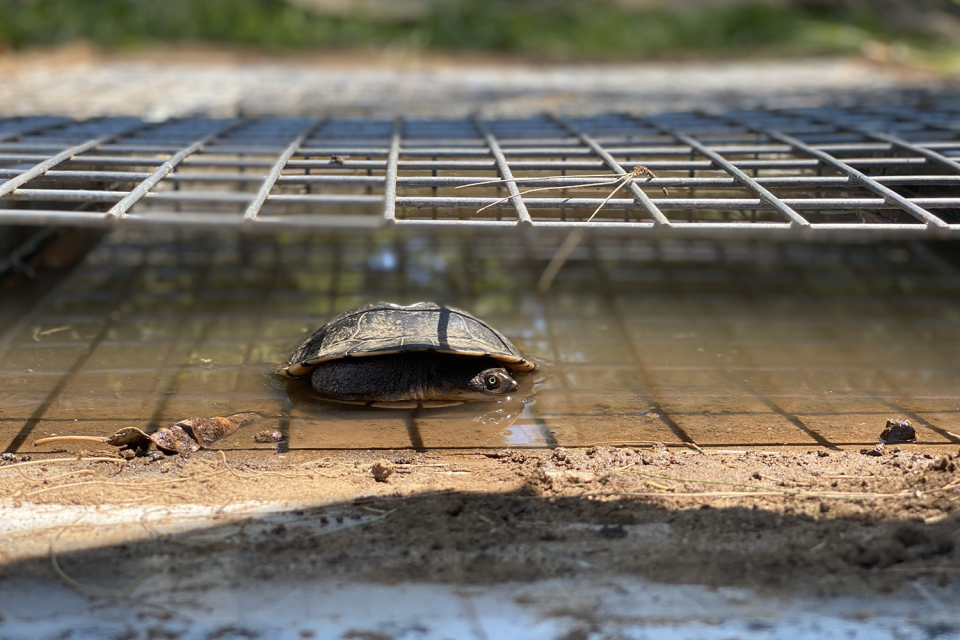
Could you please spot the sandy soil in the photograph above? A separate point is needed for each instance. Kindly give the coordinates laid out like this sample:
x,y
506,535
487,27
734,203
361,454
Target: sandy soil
x,y
159,83
792,522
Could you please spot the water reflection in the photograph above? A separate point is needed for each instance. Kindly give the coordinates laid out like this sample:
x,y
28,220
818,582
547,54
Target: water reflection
x,y
321,423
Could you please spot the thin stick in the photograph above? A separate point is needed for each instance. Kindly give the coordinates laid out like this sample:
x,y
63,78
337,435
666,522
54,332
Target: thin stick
x,y
540,179
558,260
246,476
566,248
570,243
622,184
774,490
75,472
55,460
523,193
79,587
50,439
136,485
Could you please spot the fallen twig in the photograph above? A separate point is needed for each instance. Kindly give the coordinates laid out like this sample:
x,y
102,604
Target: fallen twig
x,y
51,439
56,460
767,490
37,334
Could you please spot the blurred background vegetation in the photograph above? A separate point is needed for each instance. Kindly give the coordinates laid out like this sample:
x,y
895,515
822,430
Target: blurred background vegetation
x,y
548,29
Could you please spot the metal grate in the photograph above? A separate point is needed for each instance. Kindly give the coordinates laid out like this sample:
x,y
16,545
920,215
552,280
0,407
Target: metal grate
x,y
827,173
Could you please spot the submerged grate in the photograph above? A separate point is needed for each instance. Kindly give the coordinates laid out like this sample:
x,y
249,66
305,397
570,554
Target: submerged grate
x,y
826,172
722,344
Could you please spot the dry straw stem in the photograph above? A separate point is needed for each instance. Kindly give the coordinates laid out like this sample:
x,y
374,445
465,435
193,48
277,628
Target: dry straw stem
x,y
132,485
767,491
20,465
37,334
612,179
79,587
566,248
98,439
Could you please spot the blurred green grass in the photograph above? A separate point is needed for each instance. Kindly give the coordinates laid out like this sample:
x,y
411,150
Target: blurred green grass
x,y
551,29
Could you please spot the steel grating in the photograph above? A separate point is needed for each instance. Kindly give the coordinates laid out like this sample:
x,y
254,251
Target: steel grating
x,y
826,173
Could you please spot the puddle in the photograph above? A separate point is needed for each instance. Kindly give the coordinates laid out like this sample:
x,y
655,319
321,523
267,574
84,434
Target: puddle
x,y
722,344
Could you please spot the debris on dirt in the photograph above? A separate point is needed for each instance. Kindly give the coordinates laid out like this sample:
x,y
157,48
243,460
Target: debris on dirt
x,y
944,464
185,436
794,521
877,451
267,436
37,333
128,454
206,431
174,440
898,430
10,457
128,438
382,469
906,542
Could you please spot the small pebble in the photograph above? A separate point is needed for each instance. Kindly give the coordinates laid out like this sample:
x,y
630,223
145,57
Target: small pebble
x,y
382,469
898,430
164,468
268,436
877,451
128,454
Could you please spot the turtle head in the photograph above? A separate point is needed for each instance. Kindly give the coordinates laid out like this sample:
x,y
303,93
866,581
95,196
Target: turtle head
x,y
489,384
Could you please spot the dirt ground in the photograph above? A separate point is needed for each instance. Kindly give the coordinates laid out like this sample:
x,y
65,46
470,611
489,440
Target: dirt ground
x,y
792,522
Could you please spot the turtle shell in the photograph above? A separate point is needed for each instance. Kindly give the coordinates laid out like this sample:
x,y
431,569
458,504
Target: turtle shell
x,y
383,328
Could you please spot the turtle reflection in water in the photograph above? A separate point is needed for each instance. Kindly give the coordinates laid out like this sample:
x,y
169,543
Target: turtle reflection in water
x,y
422,355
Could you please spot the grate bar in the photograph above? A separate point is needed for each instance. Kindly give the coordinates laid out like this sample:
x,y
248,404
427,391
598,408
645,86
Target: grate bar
x,y
56,122
271,179
896,142
390,180
611,163
470,202
728,175
666,149
453,181
479,165
886,193
515,199
39,169
929,154
766,196
120,209
559,165
717,230
463,149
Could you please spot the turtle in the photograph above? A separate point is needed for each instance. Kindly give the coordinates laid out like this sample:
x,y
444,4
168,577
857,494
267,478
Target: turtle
x,y
422,355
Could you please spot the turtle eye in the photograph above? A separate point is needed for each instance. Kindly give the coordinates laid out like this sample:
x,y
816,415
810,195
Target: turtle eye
x,y
493,382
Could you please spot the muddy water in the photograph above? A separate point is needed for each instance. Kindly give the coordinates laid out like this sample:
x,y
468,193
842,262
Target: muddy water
x,y
720,344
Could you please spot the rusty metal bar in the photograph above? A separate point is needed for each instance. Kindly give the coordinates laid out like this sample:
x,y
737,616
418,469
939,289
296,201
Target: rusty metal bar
x,y
271,179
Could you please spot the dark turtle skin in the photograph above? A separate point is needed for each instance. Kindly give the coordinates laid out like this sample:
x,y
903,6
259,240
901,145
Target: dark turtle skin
x,y
424,354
